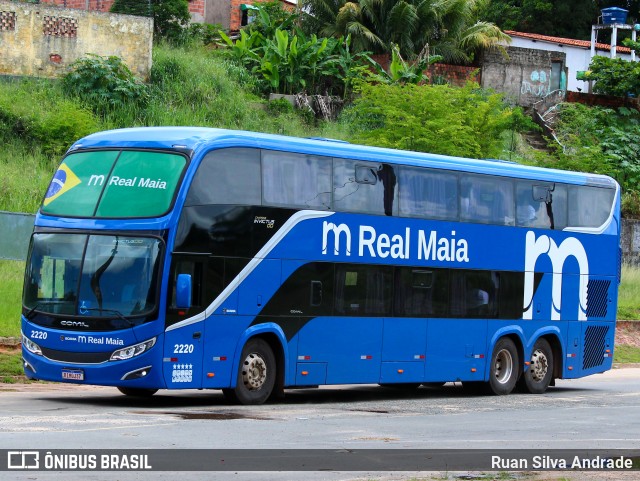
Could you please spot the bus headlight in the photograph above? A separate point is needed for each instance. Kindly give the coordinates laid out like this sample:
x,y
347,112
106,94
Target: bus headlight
x,y
132,351
31,346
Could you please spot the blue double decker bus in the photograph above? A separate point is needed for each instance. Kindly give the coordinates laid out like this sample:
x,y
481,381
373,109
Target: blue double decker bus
x,y
182,258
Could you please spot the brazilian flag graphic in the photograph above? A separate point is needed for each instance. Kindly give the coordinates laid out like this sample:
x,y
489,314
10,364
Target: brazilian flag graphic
x,y
63,181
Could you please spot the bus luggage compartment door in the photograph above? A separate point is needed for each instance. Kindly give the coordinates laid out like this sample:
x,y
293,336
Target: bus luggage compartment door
x,y
404,346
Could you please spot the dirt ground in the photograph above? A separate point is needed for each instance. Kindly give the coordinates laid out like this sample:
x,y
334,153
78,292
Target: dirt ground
x,y
628,333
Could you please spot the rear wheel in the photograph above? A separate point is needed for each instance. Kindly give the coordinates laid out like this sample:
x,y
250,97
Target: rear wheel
x,y
504,367
137,392
256,374
537,378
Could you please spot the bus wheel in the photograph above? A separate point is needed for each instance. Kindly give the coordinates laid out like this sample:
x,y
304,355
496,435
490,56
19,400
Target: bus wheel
x,y
137,391
537,378
504,367
257,373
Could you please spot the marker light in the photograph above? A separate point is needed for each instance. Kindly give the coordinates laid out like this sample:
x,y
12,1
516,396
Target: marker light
x,y
31,346
132,351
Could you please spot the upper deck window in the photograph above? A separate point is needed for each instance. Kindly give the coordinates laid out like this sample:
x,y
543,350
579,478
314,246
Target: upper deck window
x,y
114,184
367,187
296,180
486,199
428,193
227,176
262,177
541,205
589,207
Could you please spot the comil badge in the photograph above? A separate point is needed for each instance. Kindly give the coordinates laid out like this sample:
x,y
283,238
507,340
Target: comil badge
x,y
63,181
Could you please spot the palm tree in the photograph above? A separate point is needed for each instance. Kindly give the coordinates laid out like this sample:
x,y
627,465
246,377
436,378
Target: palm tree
x,y
450,27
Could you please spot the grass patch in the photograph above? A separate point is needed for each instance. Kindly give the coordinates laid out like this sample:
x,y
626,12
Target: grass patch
x,y
25,173
629,294
626,354
11,276
11,367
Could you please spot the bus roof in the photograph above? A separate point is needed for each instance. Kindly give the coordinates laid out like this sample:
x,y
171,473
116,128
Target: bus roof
x,y
198,139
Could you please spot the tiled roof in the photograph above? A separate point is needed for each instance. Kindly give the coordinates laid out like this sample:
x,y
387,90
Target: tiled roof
x,y
567,41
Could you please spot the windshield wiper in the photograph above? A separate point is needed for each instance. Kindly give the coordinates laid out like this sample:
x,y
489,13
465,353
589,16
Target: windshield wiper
x,y
32,311
117,313
95,278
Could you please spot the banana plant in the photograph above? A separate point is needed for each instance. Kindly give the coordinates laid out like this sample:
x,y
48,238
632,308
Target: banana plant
x,y
244,48
403,72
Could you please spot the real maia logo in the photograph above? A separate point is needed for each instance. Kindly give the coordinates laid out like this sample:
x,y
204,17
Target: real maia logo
x,y
115,180
429,245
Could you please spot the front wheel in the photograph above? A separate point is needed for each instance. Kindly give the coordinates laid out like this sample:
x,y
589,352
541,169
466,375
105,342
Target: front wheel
x,y
537,378
137,392
256,374
504,367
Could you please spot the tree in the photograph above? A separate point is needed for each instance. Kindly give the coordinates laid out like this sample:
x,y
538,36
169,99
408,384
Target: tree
x,y
132,7
170,17
450,28
560,18
614,76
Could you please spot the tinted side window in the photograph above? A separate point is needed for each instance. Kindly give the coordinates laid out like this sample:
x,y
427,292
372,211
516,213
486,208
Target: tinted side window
x,y
541,205
227,176
421,292
428,194
589,206
363,290
367,187
510,295
296,180
486,199
473,293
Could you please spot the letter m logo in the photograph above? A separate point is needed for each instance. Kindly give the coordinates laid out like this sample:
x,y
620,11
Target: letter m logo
x,y
337,230
558,254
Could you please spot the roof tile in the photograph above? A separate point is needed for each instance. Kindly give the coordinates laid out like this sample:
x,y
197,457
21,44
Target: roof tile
x,y
566,41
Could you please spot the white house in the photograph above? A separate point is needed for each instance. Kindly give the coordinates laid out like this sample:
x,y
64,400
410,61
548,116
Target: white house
x,y
578,53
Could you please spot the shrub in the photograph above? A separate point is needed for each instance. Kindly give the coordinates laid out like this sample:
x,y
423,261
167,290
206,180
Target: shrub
x,y
614,76
431,118
104,83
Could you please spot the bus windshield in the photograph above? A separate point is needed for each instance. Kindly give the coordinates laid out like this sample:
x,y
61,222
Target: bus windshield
x,y
92,275
114,184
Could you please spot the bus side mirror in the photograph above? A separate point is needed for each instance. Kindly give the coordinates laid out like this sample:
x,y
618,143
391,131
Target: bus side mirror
x,y
183,291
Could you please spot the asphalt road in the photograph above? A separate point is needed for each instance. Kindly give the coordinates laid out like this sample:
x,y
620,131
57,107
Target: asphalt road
x,y
601,411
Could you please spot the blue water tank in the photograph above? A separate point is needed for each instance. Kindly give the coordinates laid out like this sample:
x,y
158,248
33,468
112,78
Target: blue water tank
x,y
614,15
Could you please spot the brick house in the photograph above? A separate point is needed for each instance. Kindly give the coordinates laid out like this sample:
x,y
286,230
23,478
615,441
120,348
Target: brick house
x,y
231,14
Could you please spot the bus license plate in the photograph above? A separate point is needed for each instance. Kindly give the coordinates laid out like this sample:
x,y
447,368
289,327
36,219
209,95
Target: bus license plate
x,y
73,374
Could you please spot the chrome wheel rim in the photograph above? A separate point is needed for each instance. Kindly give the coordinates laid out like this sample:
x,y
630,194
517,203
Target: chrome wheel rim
x,y
539,365
503,366
254,372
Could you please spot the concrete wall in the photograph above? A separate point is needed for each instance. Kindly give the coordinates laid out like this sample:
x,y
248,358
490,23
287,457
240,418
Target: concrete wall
x,y
42,40
631,241
218,11
525,77
16,229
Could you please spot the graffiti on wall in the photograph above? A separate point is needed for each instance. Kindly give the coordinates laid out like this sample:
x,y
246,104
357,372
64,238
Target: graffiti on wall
x,y
538,84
